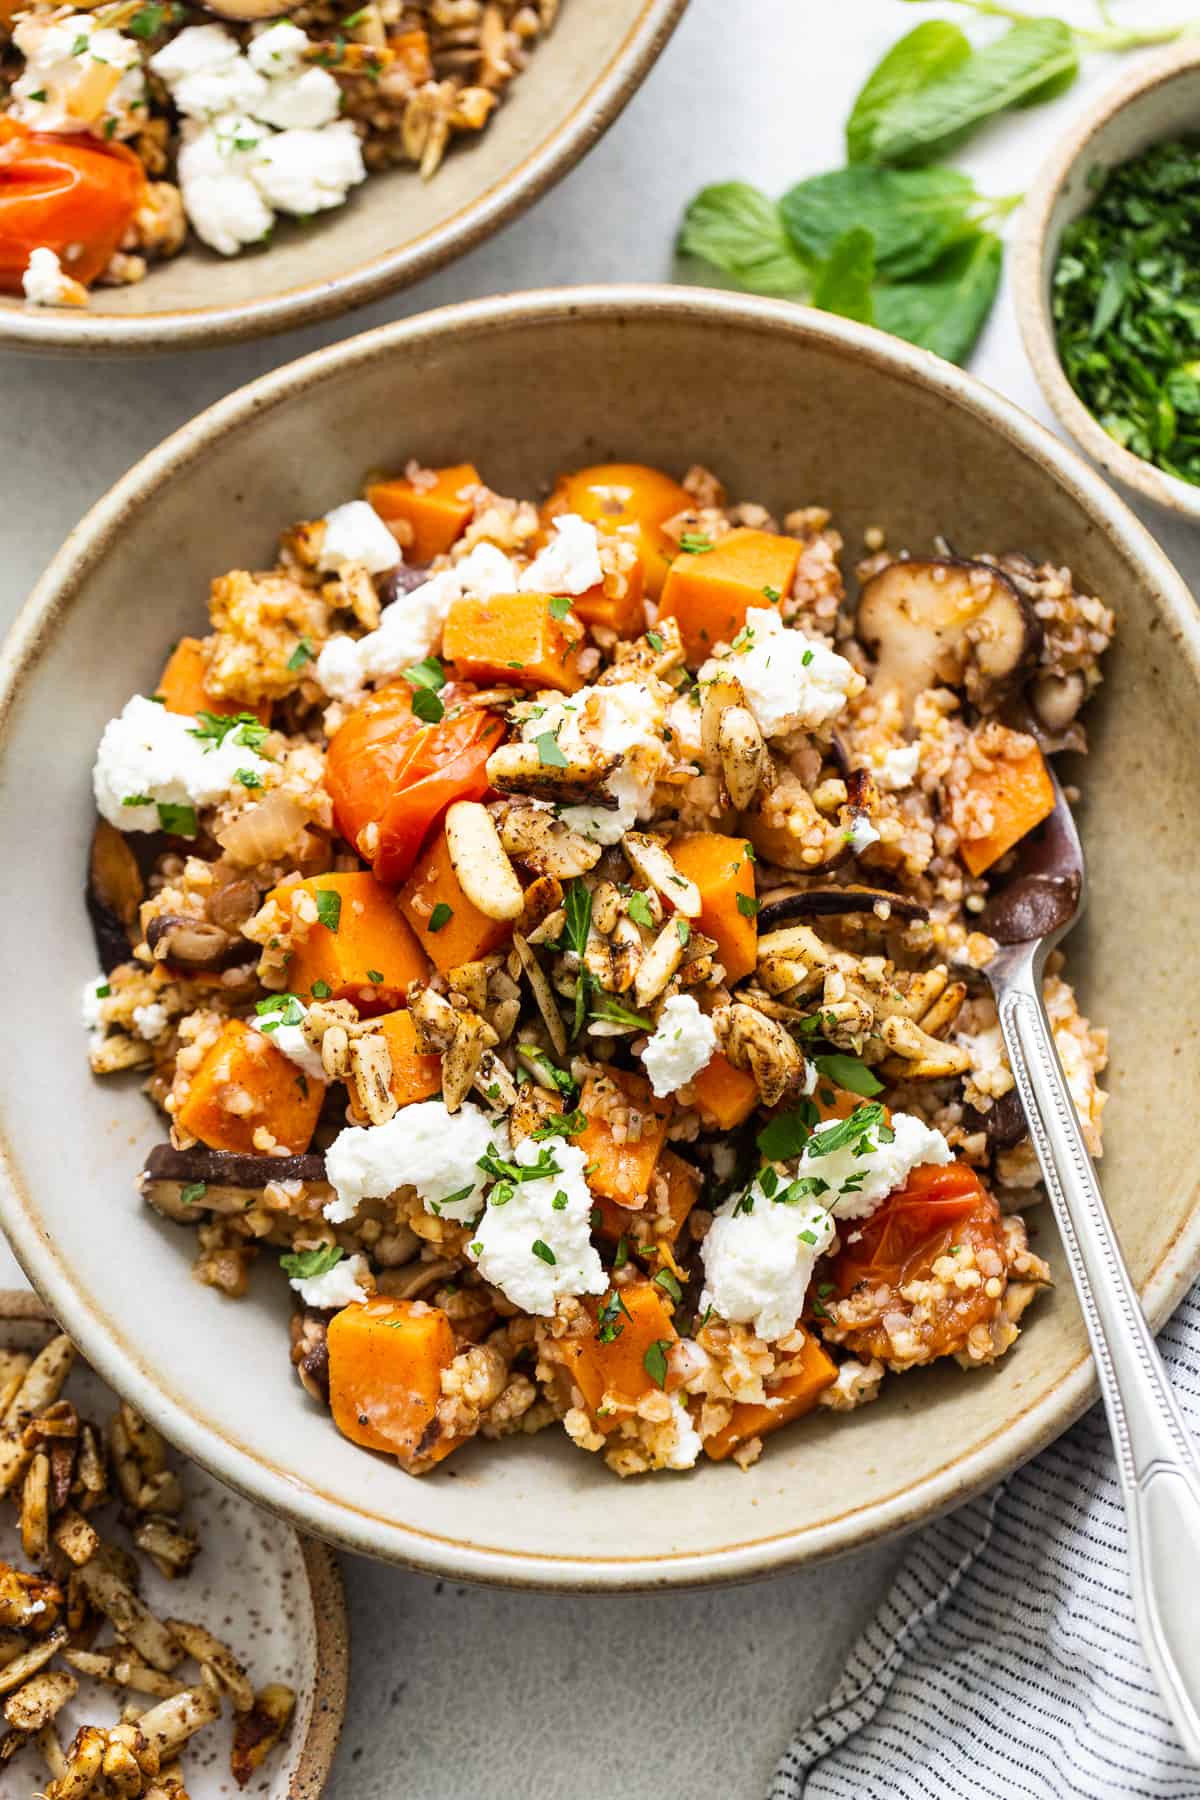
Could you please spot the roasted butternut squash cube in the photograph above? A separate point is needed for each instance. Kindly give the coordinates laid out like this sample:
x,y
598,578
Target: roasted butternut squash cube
x,y
624,1136
449,928
245,1088
415,1076
683,1191
795,1394
723,870
724,1096
626,615
360,948
515,639
1013,795
435,513
616,1368
386,1359
709,591
628,500
181,685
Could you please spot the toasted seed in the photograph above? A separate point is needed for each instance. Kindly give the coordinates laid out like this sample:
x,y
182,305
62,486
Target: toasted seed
x,y
212,1654
480,862
43,1382
130,1618
30,1661
744,761
36,1703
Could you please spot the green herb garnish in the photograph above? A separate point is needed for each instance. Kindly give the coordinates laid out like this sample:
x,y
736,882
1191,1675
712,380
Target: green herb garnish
x,y
303,1265
329,908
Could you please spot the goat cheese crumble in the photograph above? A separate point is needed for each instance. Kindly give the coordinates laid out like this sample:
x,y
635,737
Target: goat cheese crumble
x,y
622,721
150,758
150,1021
862,834
869,1167
759,1255
424,1147
569,563
77,76
791,682
289,1039
688,1443
683,1044
897,768
356,533
534,1239
46,283
337,1287
410,629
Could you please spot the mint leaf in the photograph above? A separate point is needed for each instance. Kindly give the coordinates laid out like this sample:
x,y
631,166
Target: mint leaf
x,y
914,215
843,283
849,1072
303,1265
947,308
329,908
740,231
924,55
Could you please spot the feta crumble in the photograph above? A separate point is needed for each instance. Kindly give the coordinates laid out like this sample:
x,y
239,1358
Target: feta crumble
x,y
424,1147
46,283
683,1044
625,721
306,171
687,1445
291,1042
791,682
337,1287
77,76
151,755
226,210
552,1212
758,1256
410,629
150,1021
897,768
569,563
862,834
356,533
94,993
864,1172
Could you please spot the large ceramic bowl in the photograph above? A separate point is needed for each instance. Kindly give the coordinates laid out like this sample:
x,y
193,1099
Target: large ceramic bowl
x,y
790,406
396,228
1159,98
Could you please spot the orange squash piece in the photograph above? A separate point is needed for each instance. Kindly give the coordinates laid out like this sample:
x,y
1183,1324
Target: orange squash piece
x,y
724,1096
371,939
630,501
449,928
621,1171
626,616
515,639
723,870
415,1076
683,1191
1018,793
386,1359
618,1368
796,1394
709,592
181,685
245,1063
411,49
436,515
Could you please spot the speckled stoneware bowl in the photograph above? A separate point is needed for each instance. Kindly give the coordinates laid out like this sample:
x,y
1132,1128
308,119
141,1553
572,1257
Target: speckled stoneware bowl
x,y
790,407
275,1597
396,228
1159,98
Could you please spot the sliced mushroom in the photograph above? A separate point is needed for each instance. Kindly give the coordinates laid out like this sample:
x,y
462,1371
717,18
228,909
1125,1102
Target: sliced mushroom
x,y
225,1177
944,623
196,943
1004,1121
114,892
830,902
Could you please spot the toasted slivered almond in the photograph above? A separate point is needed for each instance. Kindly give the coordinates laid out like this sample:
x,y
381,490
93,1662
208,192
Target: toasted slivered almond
x,y
650,859
658,965
83,1763
43,1382
255,1733
22,1667
35,1509
43,1695
122,1667
543,994
744,760
211,1653
77,1540
480,862
172,1722
129,1617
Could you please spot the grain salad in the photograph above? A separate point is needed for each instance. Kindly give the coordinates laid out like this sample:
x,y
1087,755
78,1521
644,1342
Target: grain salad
x,y
550,931
130,129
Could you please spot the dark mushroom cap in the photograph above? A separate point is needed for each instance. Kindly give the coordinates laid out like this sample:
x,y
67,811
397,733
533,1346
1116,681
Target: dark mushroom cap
x,y
943,623
833,901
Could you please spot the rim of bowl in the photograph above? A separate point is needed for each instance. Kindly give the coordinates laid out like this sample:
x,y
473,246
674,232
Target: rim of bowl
x,y
337,1518
47,330
1031,293
313,1757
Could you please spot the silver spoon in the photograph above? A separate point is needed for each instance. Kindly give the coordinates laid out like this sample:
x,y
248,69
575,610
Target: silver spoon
x,y
1157,1461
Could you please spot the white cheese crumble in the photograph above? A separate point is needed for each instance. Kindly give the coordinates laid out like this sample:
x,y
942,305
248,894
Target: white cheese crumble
x,y
865,1171
150,1021
683,1044
424,1147
151,755
78,76
553,1212
356,533
687,1445
291,1042
569,563
410,629
206,74
791,682
94,992
896,768
337,1287
862,834
45,282
214,166
624,721
758,1258
306,171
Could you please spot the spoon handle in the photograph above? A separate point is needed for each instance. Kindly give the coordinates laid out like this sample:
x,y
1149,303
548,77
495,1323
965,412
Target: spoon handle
x,y
1156,1459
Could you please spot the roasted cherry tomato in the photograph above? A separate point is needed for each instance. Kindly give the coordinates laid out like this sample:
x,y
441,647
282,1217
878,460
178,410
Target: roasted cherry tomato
x,y
388,770
911,1229
74,195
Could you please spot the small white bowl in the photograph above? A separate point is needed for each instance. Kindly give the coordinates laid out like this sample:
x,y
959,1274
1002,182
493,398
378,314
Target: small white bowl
x,y
1158,99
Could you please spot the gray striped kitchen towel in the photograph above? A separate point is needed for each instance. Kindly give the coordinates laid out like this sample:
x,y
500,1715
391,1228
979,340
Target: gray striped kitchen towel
x,y
1004,1663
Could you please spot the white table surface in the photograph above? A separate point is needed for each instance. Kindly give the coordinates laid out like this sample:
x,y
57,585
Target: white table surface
x,y
463,1693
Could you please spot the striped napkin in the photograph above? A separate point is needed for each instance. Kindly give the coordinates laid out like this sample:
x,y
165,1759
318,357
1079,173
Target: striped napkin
x,y
1004,1663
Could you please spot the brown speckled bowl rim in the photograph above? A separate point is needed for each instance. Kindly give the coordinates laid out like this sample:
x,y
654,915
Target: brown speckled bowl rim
x,y
331,1658
337,1517
1031,293
47,330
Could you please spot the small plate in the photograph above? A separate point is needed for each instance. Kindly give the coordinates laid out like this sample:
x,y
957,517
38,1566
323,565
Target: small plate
x,y
275,1597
